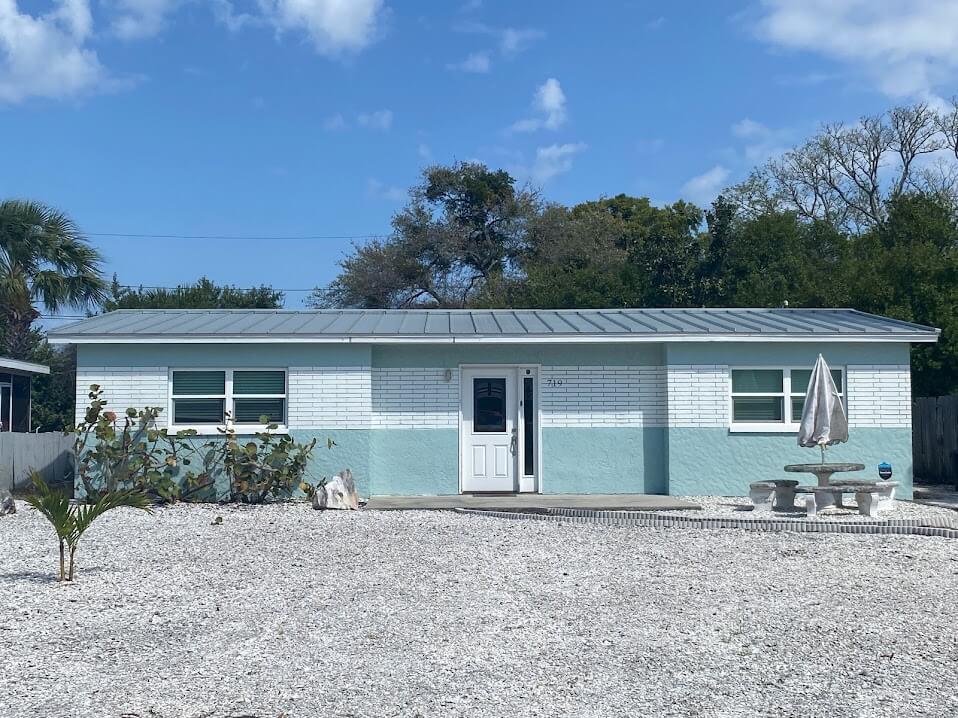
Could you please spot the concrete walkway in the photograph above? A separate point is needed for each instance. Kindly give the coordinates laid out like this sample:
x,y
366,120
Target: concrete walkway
x,y
505,502
942,496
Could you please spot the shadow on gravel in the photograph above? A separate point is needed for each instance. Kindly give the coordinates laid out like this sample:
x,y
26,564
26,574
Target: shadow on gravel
x,y
40,577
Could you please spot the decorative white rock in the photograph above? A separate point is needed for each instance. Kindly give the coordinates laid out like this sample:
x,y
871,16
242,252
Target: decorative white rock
x,y
338,493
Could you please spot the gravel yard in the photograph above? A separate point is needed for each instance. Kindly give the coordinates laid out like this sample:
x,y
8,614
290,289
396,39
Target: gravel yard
x,y
283,611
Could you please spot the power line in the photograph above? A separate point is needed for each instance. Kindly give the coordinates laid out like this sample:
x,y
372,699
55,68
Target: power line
x,y
143,235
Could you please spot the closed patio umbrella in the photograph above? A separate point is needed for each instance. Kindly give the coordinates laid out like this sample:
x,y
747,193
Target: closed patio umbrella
x,y
823,417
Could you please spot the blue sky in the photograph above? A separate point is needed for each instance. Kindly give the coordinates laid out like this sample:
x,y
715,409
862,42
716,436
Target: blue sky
x,y
312,117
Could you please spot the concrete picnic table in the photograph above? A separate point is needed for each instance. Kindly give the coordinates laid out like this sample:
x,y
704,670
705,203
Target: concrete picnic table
x,y
823,472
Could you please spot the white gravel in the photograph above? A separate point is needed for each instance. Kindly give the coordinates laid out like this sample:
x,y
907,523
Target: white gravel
x,y
284,611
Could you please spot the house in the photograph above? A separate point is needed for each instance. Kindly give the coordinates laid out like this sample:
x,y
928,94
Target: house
x,y
433,402
15,392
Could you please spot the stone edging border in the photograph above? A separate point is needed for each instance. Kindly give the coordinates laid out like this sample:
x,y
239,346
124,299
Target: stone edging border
x,y
903,527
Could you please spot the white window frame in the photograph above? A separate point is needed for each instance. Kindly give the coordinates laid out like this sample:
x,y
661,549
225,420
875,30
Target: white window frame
x,y
228,401
787,425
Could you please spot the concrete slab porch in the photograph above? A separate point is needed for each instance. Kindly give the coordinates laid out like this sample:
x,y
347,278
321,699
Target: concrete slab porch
x,y
503,502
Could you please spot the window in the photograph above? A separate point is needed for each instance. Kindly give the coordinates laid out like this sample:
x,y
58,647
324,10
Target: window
x,y
489,405
772,399
204,397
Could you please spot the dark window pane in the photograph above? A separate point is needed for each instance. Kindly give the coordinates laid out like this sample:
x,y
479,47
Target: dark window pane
x,y
489,405
198,411
757,409
5,392
528,428
21,403
800,378
248,411
757,381
798,405
198,383
259,382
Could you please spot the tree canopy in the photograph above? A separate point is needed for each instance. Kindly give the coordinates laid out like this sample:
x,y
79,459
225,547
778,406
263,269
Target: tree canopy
x,y
203,294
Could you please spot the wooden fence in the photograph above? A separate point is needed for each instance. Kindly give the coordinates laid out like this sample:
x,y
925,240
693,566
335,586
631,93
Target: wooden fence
x,y
51,454
935,440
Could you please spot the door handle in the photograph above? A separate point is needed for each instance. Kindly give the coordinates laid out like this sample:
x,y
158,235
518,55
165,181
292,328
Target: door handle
x,y
514,442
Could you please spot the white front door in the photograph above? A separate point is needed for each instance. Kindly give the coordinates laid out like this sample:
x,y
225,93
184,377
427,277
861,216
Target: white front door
x,y
489,429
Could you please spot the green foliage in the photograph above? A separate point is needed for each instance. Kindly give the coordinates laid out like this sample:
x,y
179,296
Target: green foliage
x,y
269,468
54,394
129,453
43,258
204,294
457,236
117,453
70,521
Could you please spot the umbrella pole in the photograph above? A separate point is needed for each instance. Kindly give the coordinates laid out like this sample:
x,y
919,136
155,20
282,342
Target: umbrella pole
x,y
823,453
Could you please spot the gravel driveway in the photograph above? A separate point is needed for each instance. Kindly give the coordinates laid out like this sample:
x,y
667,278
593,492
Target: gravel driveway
x,y
283,611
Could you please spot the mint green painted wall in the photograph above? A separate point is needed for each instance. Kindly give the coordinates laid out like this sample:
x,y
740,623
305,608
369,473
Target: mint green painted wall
x,y
787,353
451,356
352,451
414,462
604,460
222,355
714,461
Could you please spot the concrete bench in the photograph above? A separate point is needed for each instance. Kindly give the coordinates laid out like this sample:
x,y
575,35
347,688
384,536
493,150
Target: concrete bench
x,y
871,496
776,493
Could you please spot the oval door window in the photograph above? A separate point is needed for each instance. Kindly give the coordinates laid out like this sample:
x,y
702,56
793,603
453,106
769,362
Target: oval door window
x,y
489,405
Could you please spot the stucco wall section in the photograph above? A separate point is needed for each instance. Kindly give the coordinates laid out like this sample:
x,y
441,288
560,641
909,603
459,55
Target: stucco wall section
x,y
124,388
329,397
603,396
414,398
697,395
879,395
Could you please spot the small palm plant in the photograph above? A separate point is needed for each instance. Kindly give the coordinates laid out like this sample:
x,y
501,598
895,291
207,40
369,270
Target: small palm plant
x,y
71,521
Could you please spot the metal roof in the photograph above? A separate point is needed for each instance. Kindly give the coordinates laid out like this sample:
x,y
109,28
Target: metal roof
x,y
487,325
22,367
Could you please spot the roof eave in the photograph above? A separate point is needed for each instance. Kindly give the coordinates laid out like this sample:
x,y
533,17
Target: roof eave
x,y
906,337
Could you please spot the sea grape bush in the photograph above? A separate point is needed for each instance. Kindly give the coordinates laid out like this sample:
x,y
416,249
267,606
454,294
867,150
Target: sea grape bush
x,y
129,452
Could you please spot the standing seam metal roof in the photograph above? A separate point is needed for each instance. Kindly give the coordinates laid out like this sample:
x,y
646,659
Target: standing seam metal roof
x,y
492,323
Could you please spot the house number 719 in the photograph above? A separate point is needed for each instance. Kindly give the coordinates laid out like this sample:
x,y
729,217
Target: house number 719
x,y
554,383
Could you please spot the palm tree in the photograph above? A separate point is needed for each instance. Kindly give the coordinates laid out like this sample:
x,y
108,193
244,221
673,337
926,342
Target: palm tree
x,y
43,258
70,521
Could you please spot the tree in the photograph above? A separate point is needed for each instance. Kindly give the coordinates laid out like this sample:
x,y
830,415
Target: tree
x,y
457,238
846,175
70,521
204,294
908,269
43,258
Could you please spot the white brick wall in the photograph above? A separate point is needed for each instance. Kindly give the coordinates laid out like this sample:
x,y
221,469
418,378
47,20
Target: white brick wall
x,y
329,397
698,395
625,396
879,395
124,388
414,398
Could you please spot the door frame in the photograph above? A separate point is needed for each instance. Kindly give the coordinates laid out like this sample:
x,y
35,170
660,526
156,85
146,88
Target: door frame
x,y
523,484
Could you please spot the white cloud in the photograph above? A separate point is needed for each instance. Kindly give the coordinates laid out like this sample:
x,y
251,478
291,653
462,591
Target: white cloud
x,y
705,187
141,18
334,26
554,160
550,102
334,122
760,141
378,120
375,188
424,151
906,49
476,62
46,55
513,40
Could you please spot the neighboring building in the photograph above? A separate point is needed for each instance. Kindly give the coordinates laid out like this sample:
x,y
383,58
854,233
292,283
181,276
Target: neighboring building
x,y
680,401
15,378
